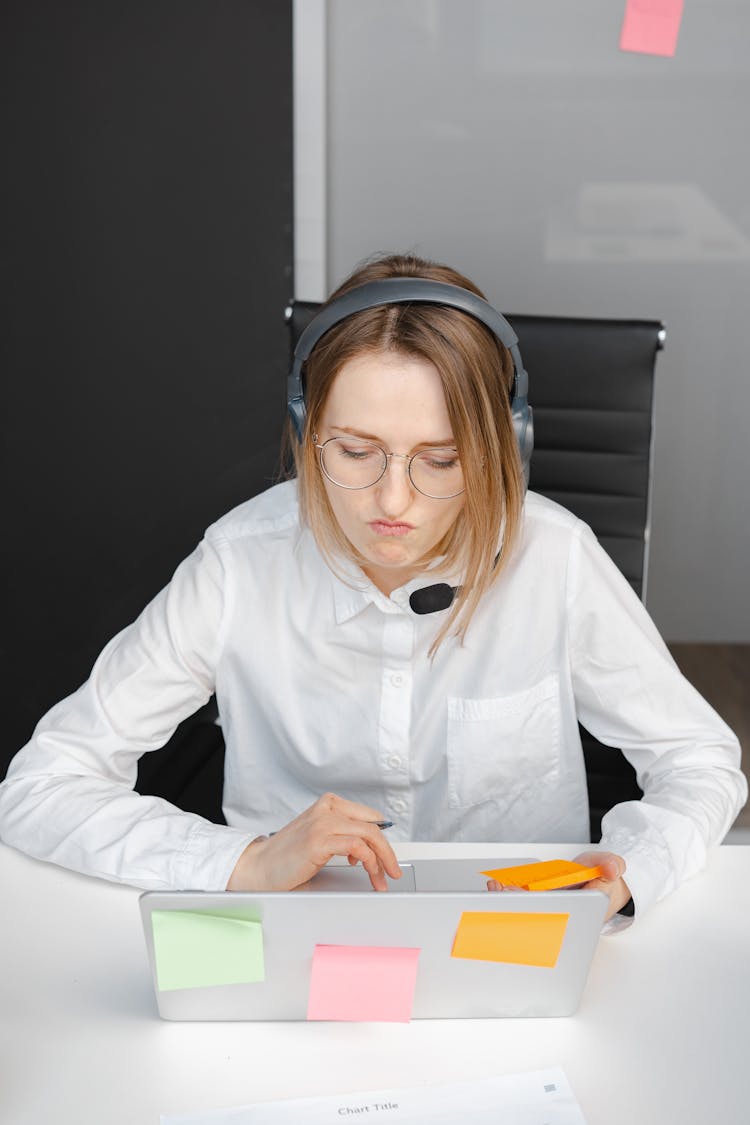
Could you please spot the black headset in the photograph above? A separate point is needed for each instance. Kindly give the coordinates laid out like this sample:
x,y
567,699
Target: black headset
x,y
405,291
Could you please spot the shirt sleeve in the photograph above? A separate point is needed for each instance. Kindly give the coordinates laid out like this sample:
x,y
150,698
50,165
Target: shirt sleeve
x,y
630,694
68,796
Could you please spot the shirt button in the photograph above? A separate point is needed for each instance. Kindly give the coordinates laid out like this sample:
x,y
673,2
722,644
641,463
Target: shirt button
x,y
397,679
398,806
394,761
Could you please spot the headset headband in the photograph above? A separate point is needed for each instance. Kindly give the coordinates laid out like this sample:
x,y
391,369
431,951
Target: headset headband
x,y
406,291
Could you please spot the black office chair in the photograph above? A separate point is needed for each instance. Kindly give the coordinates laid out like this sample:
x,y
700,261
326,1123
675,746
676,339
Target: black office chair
x,y
591,387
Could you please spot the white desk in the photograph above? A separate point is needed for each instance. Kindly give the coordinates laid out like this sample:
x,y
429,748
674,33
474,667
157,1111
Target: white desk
x,y
662,1035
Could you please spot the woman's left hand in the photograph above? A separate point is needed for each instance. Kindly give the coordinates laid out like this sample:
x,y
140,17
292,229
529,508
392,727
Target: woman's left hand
x,y
611,880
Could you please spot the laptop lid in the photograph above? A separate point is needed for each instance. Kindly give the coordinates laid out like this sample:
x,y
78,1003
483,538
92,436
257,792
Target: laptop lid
x,y
436,945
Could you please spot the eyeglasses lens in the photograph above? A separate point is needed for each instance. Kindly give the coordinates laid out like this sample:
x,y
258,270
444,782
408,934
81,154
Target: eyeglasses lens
x,y
437,473
352,463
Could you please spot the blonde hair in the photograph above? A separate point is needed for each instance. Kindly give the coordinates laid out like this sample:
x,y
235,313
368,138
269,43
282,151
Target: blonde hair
x,y
476,371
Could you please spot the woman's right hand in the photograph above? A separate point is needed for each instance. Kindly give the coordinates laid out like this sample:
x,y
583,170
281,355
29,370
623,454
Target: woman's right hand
x,y
293,855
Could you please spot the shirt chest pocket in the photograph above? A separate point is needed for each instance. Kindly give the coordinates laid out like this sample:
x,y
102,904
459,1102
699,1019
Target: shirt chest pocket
x,y
503,749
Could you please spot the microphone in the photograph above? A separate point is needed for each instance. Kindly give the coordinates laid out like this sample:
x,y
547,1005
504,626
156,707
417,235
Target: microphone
x,y
430,599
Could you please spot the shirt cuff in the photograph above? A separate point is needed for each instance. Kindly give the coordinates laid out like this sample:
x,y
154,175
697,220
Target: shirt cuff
x,y
209,857
649,874
617,924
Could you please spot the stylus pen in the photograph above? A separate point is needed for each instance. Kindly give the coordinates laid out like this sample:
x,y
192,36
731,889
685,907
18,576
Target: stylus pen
x,y
377,823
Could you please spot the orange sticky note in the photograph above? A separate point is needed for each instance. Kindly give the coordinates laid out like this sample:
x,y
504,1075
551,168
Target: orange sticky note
x,y
549,875
519,939
651,27
362,982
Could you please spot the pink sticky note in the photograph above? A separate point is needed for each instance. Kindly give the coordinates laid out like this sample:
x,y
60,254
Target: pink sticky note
x,y
651,26
362,982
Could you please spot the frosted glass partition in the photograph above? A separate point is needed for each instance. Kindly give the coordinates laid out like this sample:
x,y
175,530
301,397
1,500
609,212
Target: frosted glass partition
x,y
514,139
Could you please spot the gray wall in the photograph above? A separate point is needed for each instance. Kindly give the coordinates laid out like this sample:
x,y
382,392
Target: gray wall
x,y
513,139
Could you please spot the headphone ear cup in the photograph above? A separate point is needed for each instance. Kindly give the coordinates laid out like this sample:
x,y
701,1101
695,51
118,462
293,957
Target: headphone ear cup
x,y
296,410
523,424
523,421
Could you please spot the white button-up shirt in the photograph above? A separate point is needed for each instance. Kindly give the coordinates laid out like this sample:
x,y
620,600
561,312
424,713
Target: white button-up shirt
x,y
324,683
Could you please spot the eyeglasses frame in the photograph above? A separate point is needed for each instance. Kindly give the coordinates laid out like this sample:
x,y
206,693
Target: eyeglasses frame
x,y
388,456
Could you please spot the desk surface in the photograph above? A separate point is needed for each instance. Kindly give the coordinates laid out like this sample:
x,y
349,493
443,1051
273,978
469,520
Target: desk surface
x,y
662,1033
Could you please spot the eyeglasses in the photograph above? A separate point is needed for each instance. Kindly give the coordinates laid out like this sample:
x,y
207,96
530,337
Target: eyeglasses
x,y
354,463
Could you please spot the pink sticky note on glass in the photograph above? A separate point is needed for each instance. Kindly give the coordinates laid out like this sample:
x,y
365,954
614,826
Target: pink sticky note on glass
x,y
362,982
651,26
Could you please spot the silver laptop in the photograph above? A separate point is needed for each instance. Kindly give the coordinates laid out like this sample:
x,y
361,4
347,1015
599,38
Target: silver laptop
x,y
437,944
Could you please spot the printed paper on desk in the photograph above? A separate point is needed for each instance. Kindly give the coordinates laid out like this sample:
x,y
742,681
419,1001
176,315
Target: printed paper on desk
x,y
651,27
514,938
362,982
541,1097
193,949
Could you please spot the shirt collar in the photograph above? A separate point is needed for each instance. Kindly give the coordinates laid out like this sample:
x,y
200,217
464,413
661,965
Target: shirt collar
x,y
353,591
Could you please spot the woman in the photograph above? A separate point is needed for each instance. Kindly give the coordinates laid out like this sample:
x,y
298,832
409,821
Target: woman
x,y
297,610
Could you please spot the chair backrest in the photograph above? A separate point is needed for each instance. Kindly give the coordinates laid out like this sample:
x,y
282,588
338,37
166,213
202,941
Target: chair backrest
x,y
591,389
592,395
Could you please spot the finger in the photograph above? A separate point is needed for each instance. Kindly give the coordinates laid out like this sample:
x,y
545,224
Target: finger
x,y
614,869
374,869
373,837
331,802
603,885
382,849
611,866
378,879
502,888
369,861
610,873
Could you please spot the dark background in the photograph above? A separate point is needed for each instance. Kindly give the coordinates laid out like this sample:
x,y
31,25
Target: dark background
x,y
147,261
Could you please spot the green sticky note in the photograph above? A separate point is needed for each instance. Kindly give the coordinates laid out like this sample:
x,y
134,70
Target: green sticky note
x,y
194,949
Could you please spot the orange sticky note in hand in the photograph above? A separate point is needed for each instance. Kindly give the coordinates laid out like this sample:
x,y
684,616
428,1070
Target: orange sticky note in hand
x,y
515,938
549,875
